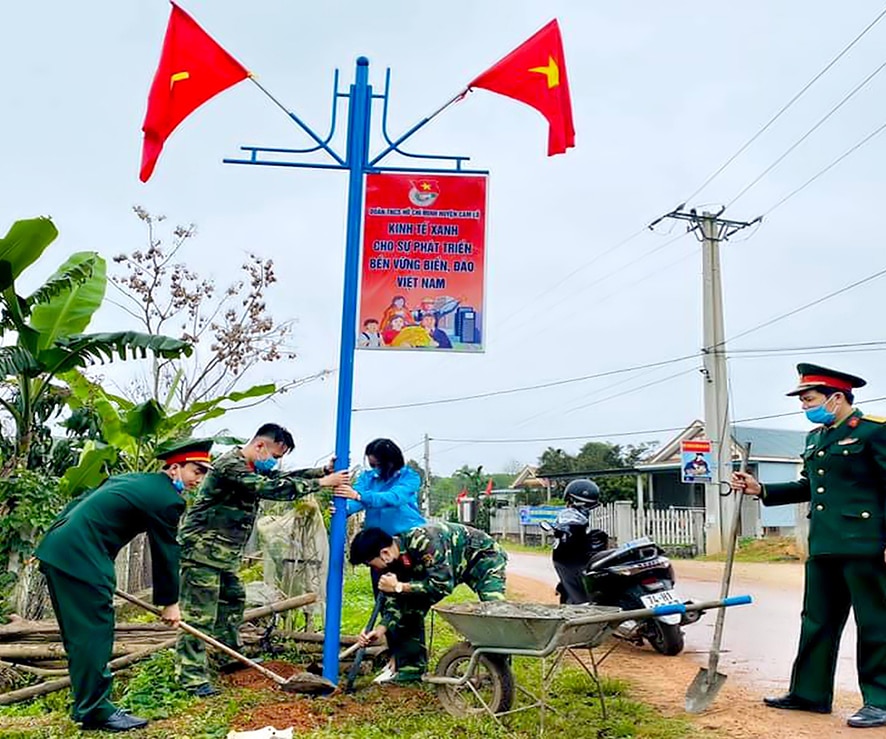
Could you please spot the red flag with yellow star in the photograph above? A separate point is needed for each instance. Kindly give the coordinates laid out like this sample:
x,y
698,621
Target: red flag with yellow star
x,y
193,68
535,73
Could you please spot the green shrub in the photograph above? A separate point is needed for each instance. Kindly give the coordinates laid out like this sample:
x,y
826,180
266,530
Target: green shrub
x,y
153,692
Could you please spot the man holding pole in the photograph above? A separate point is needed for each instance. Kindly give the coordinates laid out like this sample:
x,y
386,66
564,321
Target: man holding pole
x,y
844,479
214,534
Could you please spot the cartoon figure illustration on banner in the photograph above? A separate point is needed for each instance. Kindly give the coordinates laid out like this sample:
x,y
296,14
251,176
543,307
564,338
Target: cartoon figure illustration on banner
x,y
395,309
369,337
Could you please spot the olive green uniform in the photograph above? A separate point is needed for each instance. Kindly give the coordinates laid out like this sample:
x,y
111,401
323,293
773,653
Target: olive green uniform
x,y
434,559
77,557
213,536
844,479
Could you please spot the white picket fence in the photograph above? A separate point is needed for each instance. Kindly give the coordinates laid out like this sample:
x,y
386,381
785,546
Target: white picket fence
x,y
681,528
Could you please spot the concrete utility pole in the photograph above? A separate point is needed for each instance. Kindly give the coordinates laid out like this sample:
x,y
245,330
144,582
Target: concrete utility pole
x,y
718,508
426,493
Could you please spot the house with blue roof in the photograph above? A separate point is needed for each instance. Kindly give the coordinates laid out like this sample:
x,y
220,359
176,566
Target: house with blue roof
x,y
774,457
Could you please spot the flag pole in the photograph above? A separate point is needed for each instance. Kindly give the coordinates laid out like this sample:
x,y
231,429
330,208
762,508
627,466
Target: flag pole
x,y
392,145
292,116
359,108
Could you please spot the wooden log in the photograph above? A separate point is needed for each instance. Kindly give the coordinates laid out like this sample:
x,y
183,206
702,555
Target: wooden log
x,y
24,629
31,652
299,601
21,628
50,686
39,671
313,636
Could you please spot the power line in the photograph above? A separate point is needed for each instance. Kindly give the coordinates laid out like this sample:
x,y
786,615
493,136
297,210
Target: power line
x,y
818,301
787,105
814,347
620,434
808,133
574,272
525,388
834,348
633,390
827,168
570,404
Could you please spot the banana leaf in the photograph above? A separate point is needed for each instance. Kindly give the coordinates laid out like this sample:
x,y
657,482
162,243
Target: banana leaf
x,y
24,243
68,277
144,420
16,361
91,469
70,309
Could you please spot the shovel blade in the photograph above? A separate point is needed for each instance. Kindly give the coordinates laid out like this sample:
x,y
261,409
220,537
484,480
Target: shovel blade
x,y
305,682
703,690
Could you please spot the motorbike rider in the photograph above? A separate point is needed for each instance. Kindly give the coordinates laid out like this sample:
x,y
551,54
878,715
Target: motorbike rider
x,y
574,539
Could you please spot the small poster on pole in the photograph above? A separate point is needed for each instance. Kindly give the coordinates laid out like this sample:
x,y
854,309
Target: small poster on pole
x,y
696,460
424,259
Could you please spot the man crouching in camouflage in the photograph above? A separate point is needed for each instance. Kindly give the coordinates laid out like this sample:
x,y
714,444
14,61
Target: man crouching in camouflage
x,y
213,535
422,566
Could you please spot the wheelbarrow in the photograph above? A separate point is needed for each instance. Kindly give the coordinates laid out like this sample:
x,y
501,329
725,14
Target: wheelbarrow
x,y
475,675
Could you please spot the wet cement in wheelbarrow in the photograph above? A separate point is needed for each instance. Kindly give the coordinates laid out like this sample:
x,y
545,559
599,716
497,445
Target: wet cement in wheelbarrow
x,y
510,609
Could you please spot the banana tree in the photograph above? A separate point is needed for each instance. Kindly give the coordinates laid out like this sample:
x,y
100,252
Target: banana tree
x,y
48,327
131,431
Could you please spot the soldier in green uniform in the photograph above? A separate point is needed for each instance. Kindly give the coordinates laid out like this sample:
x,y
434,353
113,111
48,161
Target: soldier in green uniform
x,y
77,557
213,536
422,566
844,478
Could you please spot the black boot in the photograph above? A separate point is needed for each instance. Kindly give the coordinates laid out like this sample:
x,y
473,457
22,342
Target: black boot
x,y
867,717
795,703
117,721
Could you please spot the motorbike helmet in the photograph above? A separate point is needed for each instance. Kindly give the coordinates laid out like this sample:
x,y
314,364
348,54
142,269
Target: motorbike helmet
x,y
583,494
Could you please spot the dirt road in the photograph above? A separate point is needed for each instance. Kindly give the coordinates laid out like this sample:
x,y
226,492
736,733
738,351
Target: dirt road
x,y
761,640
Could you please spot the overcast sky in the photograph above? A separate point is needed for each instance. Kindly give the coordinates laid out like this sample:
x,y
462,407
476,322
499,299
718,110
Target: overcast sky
x,y
663,94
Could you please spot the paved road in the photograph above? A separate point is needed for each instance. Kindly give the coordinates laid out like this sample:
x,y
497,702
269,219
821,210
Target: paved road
x,y
759,640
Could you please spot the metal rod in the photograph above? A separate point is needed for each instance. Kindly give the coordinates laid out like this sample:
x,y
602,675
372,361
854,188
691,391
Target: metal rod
x,y
304,126
268,163
359,111
393,145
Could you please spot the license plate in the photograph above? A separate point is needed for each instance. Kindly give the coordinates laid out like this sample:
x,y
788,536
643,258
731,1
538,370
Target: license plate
x,y
664,598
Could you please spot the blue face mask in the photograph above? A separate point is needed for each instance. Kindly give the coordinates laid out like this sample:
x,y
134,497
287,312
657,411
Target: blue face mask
x,y
263,466
179,485
820,414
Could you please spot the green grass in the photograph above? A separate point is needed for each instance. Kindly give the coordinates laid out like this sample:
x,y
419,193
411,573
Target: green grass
x,y
768,549
373,712
515,546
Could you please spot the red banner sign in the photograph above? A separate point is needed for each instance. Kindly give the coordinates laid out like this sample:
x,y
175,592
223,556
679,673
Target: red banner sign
x,y
424,259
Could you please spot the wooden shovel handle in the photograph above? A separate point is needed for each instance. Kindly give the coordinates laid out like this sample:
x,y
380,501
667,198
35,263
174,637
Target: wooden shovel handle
x,y
188,629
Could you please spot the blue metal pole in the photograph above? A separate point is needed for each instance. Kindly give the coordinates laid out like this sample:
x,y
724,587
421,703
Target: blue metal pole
x,y
359,110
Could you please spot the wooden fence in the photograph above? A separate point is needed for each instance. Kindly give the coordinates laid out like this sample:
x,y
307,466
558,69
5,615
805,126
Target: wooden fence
x,y
680,529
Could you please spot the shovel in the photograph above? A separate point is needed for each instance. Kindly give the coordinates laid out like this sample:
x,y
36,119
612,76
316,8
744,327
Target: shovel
x,y
355,668
708,681
302,682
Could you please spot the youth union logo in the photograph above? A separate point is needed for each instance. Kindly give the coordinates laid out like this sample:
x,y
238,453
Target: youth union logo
x,y
423,193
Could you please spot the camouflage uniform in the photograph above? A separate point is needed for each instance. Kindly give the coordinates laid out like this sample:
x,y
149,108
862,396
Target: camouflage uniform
x,y
434,559
212,536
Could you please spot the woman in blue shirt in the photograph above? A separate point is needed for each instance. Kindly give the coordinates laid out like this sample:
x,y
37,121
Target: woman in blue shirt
x,y
388,493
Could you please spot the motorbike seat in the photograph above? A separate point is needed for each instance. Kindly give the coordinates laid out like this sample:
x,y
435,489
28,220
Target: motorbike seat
x,y
597,557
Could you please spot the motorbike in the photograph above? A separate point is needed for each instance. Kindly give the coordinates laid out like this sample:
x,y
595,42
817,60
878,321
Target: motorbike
x,y
635,575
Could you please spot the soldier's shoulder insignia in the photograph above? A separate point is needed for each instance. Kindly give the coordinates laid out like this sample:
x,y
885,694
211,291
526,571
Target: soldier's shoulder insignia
x,y
428,559
874,419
